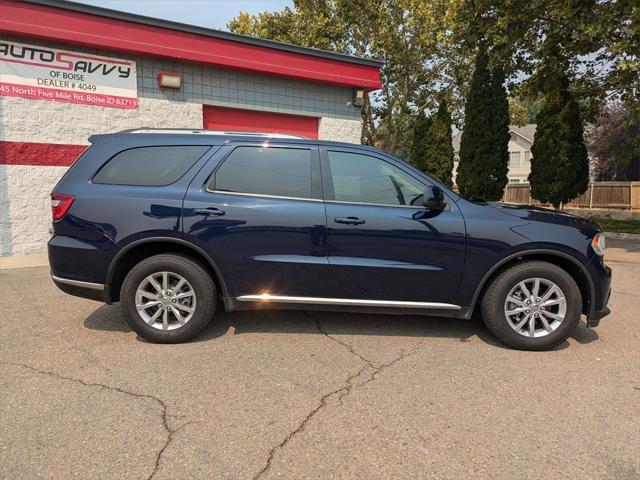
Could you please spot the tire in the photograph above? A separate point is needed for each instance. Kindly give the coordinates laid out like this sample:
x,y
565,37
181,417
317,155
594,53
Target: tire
x,y
197,293
494,306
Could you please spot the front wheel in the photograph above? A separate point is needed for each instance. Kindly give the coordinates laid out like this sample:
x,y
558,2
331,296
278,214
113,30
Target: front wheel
x,y
168,298
532,306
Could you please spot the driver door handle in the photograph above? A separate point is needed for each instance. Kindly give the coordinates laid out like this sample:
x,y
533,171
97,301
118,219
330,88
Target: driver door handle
x,y
208,211
349,220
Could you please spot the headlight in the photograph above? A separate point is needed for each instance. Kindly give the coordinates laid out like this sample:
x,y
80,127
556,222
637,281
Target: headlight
x,y
598,243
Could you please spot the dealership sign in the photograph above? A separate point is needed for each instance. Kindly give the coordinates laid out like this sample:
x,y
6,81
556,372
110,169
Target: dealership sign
x,y
32,71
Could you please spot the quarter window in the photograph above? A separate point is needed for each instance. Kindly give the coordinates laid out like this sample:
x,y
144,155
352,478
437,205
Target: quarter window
x,y
149,166
282,172
361,178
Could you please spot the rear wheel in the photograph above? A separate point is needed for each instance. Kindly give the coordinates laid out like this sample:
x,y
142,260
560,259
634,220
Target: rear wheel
x,y
532,306
168,298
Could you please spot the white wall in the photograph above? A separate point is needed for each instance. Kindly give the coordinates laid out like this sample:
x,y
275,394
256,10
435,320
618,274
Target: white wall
x,y
44,121
340,130
25,211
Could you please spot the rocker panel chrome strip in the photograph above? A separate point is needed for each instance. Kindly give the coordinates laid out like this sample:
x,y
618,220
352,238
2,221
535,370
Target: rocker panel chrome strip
x,y
266,297
78,283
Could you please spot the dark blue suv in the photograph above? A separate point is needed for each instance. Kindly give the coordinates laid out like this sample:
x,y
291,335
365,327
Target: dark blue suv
x,y
177,224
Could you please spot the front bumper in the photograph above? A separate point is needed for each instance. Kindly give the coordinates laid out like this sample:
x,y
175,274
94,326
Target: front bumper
x,y
92,291
594,319
602,295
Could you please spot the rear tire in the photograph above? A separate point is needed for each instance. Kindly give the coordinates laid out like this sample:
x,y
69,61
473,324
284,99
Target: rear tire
x,y
528,320
168,298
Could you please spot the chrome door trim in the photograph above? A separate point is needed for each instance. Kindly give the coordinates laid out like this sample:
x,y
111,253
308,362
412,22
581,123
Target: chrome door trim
x,y
261,195
266,297
78,283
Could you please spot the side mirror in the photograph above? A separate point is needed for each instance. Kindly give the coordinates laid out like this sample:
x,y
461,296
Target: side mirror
x,y
434,198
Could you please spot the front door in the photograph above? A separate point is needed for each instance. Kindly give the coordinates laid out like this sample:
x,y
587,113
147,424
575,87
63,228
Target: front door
x,y
383,244
257,211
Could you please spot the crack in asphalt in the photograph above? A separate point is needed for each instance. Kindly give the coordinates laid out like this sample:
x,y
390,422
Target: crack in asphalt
x,y
339,342
340,392
163,406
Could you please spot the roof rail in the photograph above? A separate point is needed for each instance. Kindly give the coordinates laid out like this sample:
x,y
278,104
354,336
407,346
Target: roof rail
x,y
213,132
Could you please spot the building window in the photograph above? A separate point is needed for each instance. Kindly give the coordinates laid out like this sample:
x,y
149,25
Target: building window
x,y
514,159
514,180
527,156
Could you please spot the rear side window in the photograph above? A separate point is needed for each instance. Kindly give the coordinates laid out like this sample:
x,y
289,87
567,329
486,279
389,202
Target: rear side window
x,y
152,166
282,172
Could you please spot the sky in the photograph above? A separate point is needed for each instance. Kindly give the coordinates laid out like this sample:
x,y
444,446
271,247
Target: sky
x,y
203,13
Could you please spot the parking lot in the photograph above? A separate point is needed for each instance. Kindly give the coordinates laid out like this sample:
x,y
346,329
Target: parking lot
x,y
313,395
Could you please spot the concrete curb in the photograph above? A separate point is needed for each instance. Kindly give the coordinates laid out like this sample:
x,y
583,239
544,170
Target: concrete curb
x,y
24,261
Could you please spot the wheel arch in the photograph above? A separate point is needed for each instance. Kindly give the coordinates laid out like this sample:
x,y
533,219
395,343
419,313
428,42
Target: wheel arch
x,y
565,261
138,250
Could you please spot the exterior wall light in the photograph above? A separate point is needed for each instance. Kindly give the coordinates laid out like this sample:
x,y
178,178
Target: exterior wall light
x,y
169,80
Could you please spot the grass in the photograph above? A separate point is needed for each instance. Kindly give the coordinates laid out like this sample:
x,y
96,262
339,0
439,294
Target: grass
x,y
619,226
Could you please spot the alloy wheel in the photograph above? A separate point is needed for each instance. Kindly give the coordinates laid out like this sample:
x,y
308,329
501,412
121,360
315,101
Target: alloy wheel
x,y
165,300
535,307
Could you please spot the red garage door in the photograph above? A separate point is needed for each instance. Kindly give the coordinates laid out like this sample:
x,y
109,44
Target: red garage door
x,y
220,118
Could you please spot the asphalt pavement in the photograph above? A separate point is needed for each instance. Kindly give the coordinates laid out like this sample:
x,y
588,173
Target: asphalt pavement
x,y
304,395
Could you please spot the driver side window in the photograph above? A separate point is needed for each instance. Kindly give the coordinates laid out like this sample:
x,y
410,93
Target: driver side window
x,y
359,178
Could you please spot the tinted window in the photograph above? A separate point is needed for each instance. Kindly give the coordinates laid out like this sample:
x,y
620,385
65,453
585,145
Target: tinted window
x,y
284,172
149,165
365,179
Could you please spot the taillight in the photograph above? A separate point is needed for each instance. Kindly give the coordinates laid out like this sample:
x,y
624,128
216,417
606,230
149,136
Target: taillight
x,y
60,205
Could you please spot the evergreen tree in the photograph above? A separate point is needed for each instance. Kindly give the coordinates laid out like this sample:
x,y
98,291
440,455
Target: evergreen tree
x,y
439,149
500,128
559,164
482,171
420,140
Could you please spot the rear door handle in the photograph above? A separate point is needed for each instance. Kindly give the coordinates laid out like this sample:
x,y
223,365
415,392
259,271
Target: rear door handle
x,y
349,220
208,211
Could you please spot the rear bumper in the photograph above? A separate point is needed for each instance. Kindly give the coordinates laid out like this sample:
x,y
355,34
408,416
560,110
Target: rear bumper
x,y
92,291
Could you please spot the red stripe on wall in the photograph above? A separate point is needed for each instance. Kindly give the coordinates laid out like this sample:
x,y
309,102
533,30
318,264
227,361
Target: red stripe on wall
x,y
222,118
44,154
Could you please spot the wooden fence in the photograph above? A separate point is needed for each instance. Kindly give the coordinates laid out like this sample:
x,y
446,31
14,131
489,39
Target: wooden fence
x,y
600,195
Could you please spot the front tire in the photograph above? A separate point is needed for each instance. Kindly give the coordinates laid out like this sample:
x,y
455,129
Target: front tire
x,y
168,298
532,306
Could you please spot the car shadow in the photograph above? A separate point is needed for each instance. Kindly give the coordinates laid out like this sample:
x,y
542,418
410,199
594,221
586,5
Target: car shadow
x,y
111,318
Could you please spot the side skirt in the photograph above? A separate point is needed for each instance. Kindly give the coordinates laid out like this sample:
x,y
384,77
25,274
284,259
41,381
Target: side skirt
x,y
393,307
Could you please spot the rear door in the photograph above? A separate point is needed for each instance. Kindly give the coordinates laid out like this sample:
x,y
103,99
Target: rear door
x,y
383,244
257,210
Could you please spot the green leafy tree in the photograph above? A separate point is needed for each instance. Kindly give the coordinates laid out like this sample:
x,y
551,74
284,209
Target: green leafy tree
x,y
559,164
596,41
412,37
420,140
482,171
439,147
